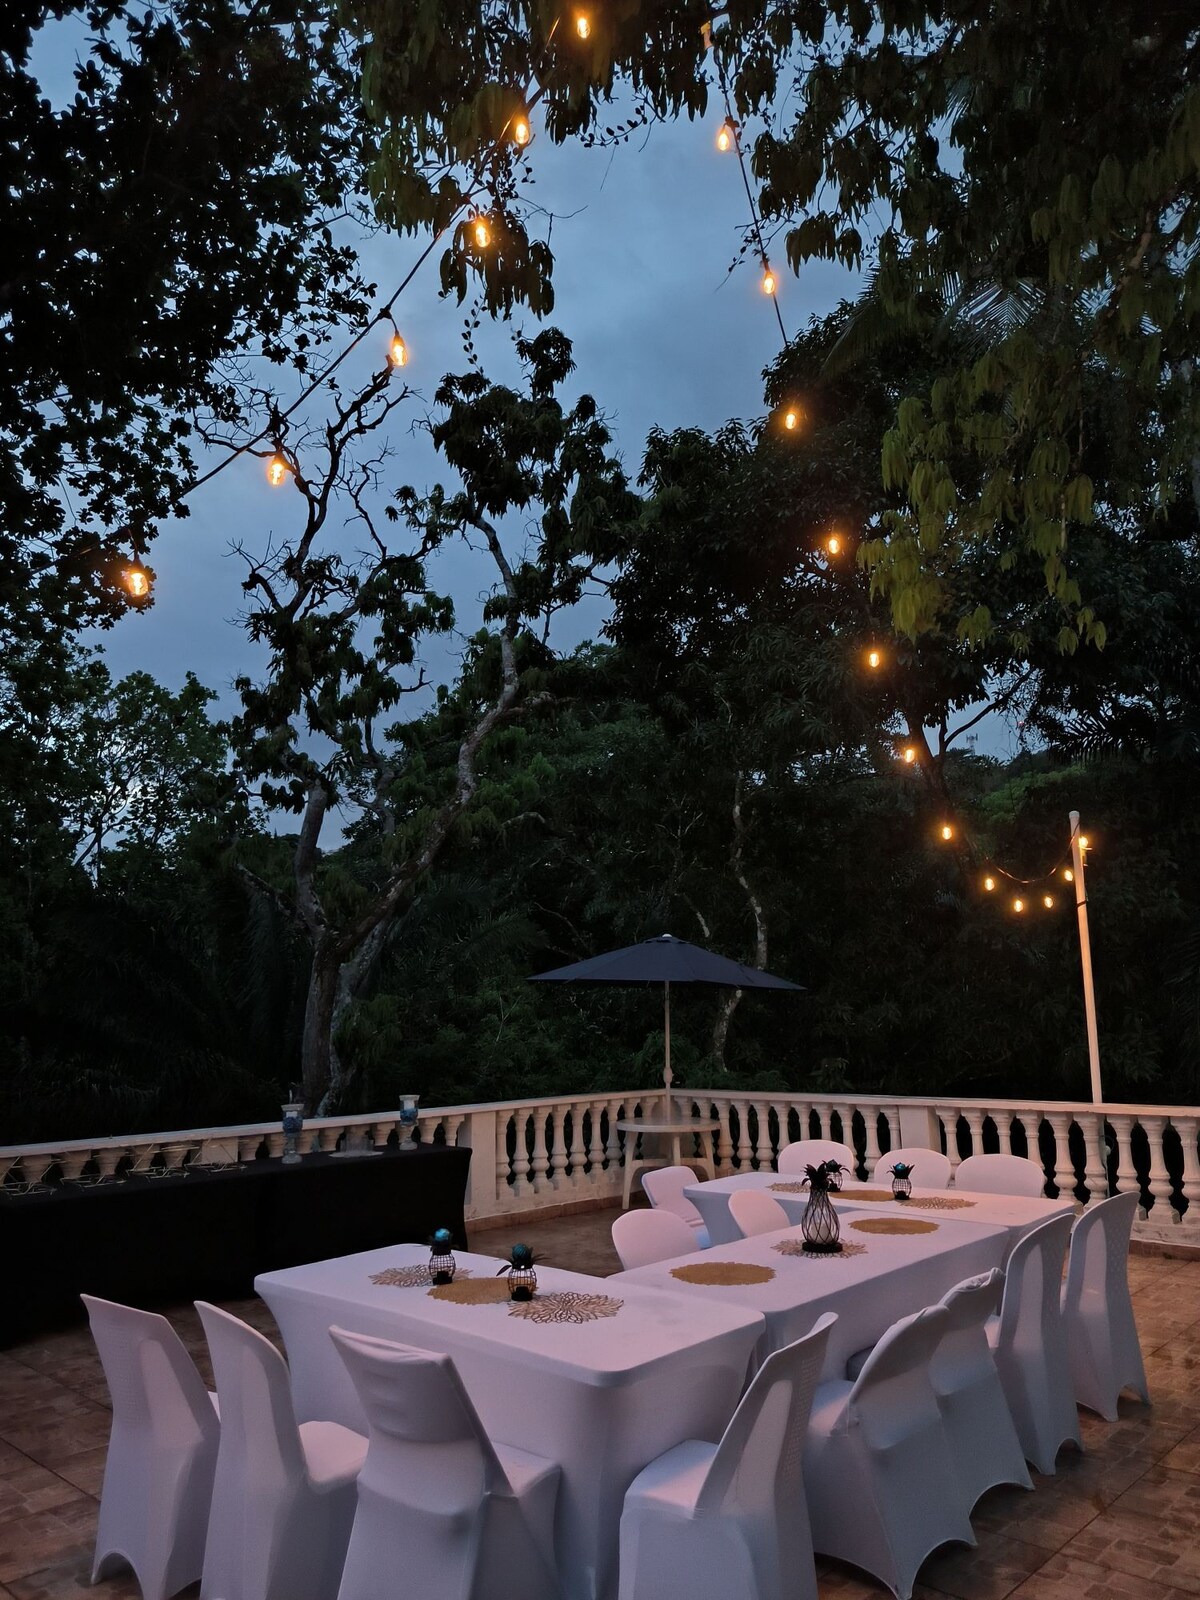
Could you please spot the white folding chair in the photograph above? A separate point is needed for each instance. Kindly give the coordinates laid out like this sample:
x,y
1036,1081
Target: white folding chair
x,y
714,1521
1102,1338
975,1414
642,1237
793,1158
997,1174
931,1169
283,1499
756,1212
162,1452
442,1512
664,1188
878,1472
1030,1346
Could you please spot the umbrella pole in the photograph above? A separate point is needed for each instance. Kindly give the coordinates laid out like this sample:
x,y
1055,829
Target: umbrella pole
x,y
668,1075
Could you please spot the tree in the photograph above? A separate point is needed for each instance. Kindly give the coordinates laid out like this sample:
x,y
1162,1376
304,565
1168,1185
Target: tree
x,y
1017,165
343,635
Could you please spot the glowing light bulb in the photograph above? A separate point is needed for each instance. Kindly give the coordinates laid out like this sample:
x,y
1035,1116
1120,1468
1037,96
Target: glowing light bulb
x,y
768,280
1068,875
1048,901
947,832
398,351
1018,906
583,25
725,135
909,754
521,131
1084,842
989,884
791,419
137,581
277,470
483,234
834,544
874,659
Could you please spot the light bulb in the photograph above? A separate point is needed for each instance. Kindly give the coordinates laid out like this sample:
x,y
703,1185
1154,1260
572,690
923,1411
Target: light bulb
x,y
910,754
1048,901
137,581
276,470
1068,875
989,884
483,234
874,659
1018,906
768,281
1084,842
792,419
398,351
583,25
521,131
725,135
947,832
834,544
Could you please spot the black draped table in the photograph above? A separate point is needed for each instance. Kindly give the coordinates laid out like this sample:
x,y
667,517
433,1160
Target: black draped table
x,y
206,1235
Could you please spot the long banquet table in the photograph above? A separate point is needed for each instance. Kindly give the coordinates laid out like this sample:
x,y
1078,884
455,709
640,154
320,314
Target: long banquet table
x,y
602,1398
883,1278
1015,1212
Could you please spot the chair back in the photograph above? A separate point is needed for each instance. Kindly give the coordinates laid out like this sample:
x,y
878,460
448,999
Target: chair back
x,y
1099,1260
793,1158
260,1442
756,1212
963,1349
1030,1314
893,1395
999,1174
155,1388
426,1442
931,1169
664,1188
643,1237
757,1468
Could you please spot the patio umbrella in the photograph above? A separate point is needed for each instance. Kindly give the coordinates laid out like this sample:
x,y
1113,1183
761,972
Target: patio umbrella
x,y
665,960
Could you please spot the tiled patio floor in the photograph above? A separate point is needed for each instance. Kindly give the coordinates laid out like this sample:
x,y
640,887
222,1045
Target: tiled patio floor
x,y
1120,1522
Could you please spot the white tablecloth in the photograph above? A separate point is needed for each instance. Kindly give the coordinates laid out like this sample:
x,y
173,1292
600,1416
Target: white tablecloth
x,y
601,1398
1017,1213
895,1275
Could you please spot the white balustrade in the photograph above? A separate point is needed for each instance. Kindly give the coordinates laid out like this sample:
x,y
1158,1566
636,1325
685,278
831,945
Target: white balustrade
x,y
531,1154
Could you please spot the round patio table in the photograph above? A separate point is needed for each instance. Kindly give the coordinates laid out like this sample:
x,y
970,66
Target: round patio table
x,y
665,1128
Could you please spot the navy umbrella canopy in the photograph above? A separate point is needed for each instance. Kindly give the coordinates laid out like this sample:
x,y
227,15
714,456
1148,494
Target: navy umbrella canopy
x,y
665,960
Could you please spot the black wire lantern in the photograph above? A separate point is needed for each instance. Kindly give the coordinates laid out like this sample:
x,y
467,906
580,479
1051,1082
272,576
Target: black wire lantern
x,y
522,1279
901,1180
819,1224
441,1256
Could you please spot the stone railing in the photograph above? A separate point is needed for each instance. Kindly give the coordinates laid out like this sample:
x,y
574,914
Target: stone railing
x,y
530,1155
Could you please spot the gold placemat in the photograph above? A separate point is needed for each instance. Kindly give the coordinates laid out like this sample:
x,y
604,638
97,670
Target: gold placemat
x,y
477,1292
894,1225
789,1188
940,1202
412,1277
724,1273
872,1196
566,1306
794,1247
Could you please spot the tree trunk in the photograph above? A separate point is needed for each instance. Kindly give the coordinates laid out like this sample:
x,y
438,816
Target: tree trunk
x,y
732,999
316,1046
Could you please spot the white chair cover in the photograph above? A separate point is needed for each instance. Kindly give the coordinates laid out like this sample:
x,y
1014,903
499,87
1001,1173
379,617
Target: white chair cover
x,y
162,1452
642,1237
931,1169
879,1475
283,1499
975,1414
1102,1337
997,1174
711,1522
793,1158
442,1513
664,1188
756,1212
1031,1349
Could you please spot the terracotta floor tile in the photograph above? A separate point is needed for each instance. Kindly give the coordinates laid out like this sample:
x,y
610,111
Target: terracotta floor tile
x,y
1069,1577
1152,1532
837,1581
42,1539
990,1571
58,1438
32,1488
1186,1455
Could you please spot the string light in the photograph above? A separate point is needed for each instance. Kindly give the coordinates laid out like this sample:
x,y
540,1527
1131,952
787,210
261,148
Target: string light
x,y
792,418
1048,901
834,544
136,581
398,351
947,832
483,234
726,135
1084,842
277,470
1068,875
989,883
583,25
521,132
768,280
1018,906
909,755
874,659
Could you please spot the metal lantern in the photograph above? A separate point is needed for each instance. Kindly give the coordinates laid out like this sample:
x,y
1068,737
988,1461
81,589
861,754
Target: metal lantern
x,y
901,1180
293,1126
522,1279
441,1258
819,1223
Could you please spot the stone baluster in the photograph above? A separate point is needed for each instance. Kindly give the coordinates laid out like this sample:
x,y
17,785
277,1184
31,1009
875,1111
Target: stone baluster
x,y
948,1117
556,1166
504,1121
722,1142
1159,1180
824,1123
744,1149
73,1162
975,1121
611,1138
1187,1128
1127,1177
326,1138
872,1152
522,1166
108,1158
541,1152
1095,1155
1063,1176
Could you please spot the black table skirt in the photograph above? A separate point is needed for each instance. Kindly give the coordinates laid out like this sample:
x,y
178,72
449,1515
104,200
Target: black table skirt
x,y
205,1235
